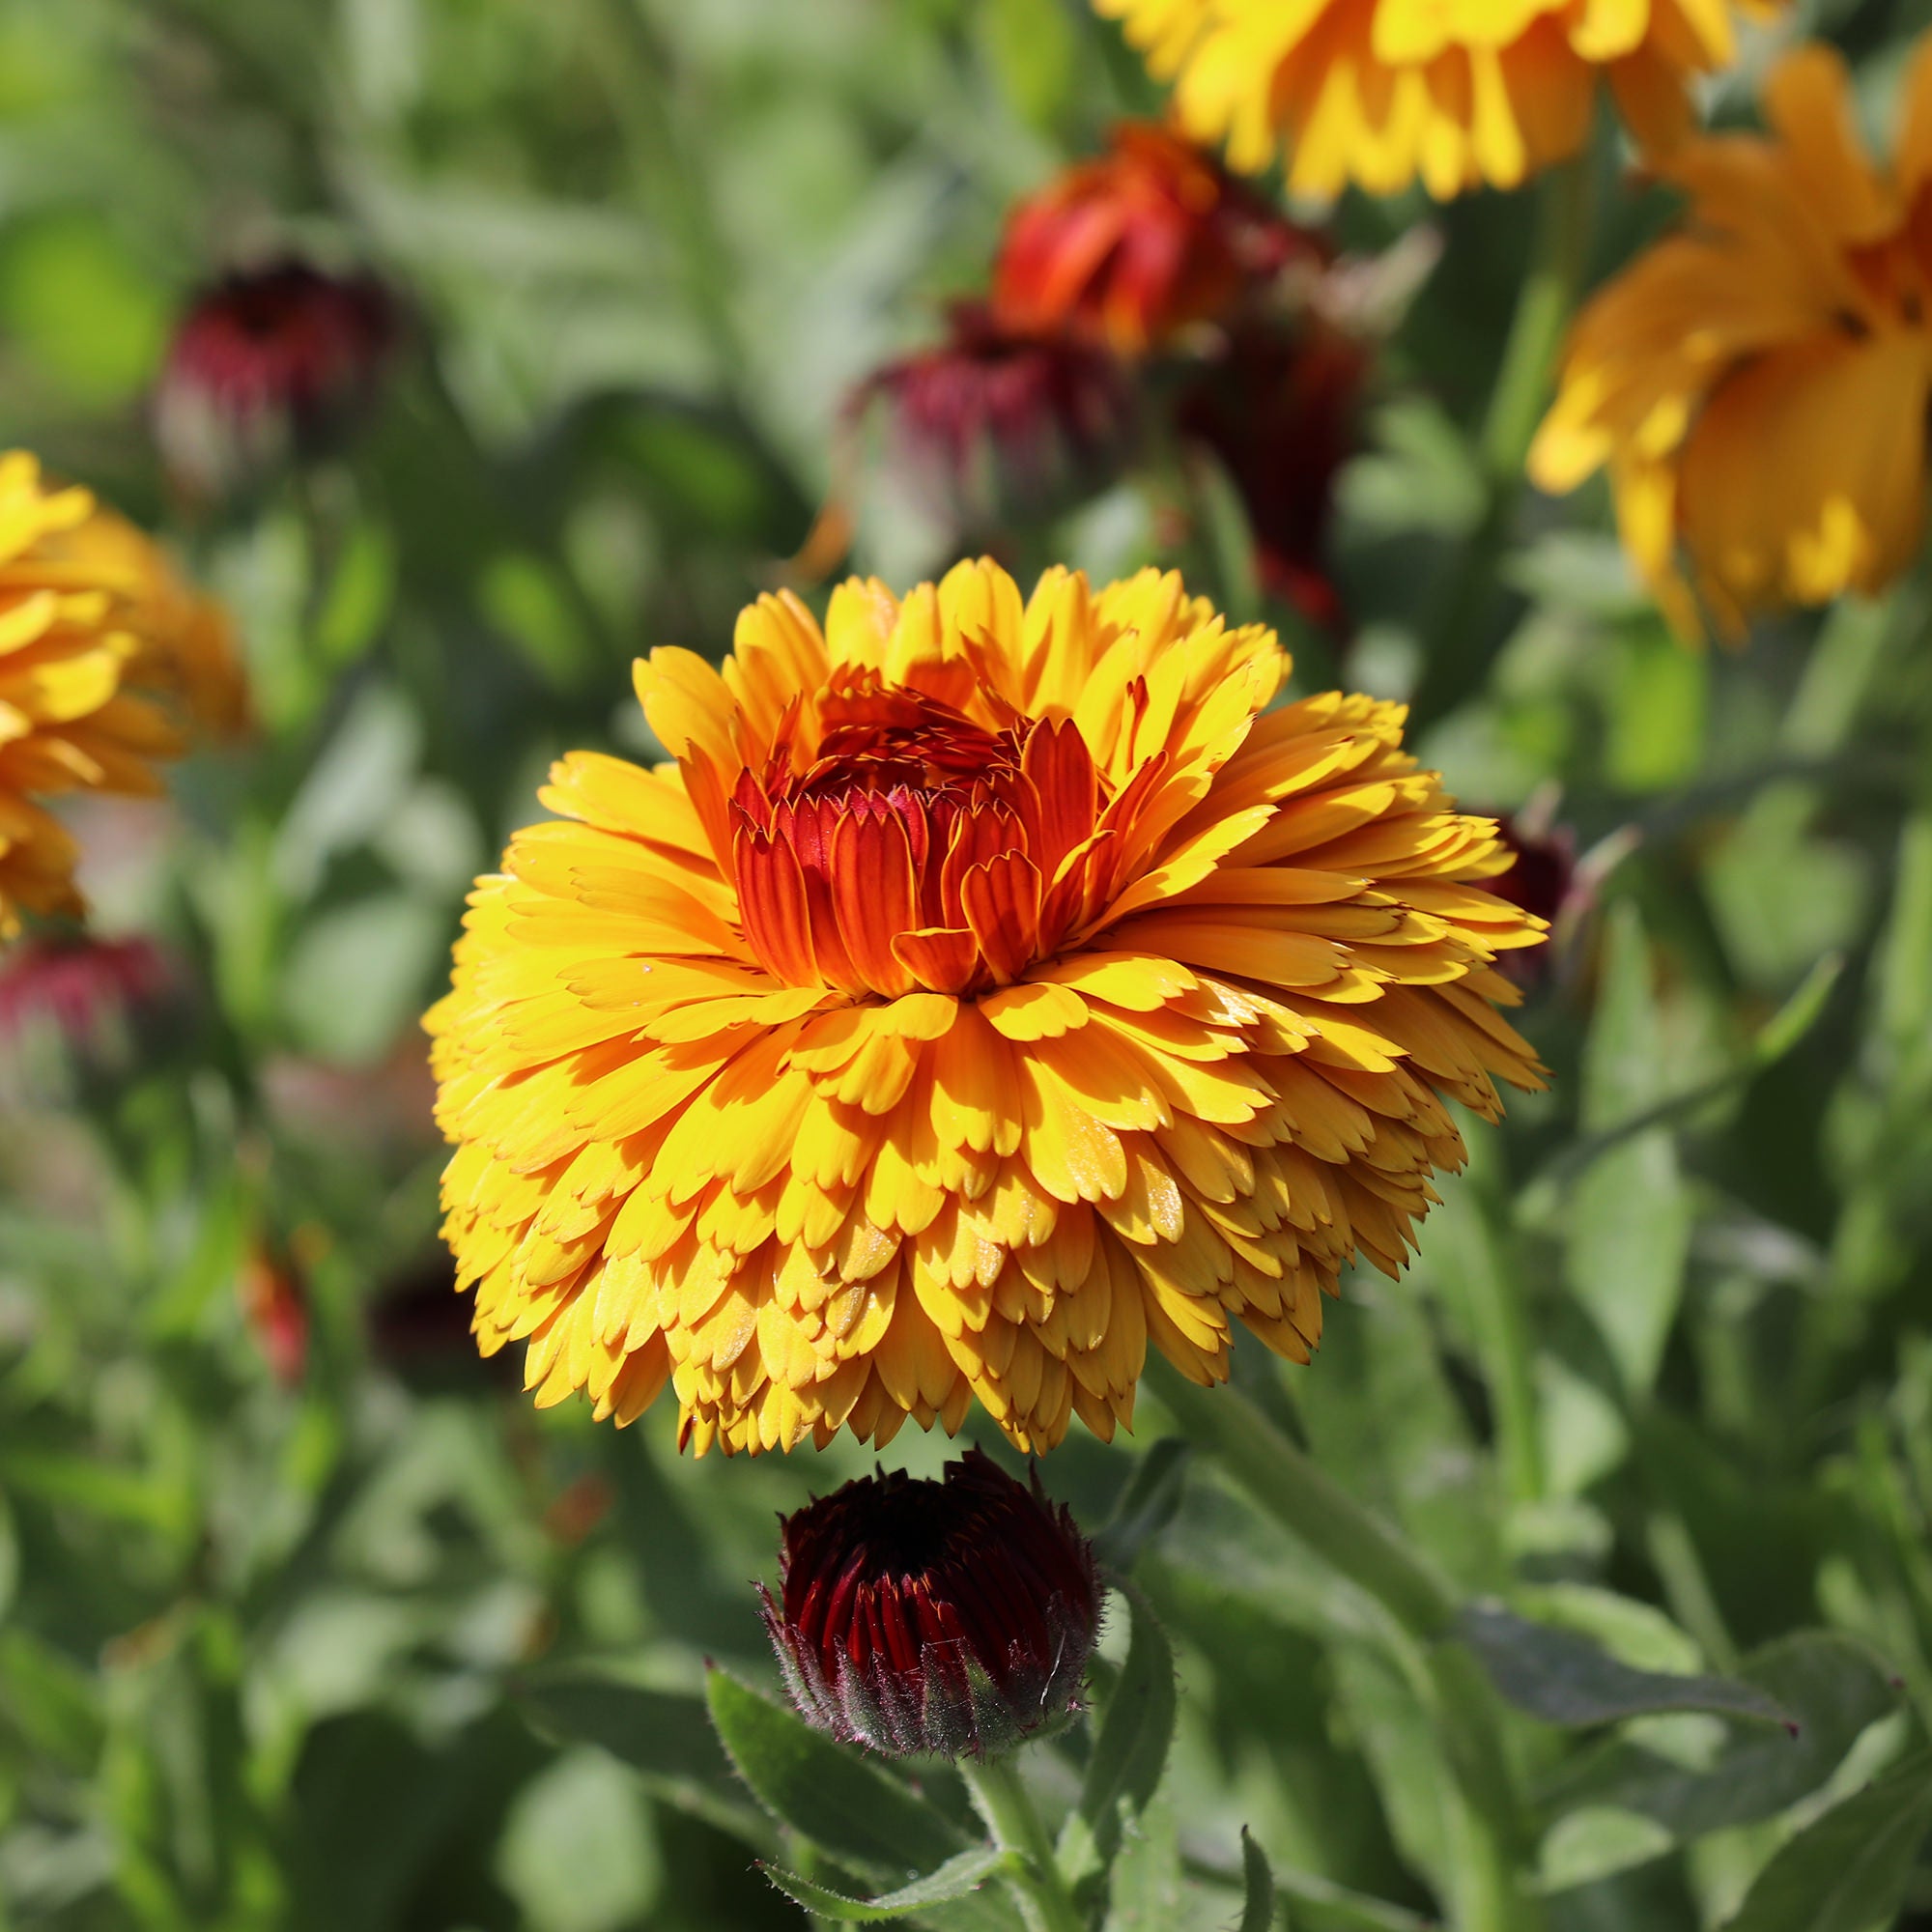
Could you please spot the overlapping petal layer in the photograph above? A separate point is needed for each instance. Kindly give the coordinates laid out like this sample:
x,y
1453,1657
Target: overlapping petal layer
x,y
1757,383
1452,93
102,650
983,992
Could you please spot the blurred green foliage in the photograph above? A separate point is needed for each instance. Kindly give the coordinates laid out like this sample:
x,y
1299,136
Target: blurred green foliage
x,y
325,1651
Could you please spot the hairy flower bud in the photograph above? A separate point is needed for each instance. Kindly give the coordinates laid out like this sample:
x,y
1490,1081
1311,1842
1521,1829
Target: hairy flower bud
x,y
953,1616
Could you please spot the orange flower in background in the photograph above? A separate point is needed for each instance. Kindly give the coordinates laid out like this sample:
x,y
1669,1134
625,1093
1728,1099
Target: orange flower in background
x,y
1132,248
101,648
1757,384
1383,93
986,990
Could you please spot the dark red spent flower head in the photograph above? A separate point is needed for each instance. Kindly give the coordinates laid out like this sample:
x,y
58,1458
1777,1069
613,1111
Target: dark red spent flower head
x,y
1279,406
84,989
953,1617
1543,881
1130,249
269,365
990,428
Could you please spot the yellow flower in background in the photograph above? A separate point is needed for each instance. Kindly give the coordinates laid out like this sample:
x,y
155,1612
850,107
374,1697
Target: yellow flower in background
x,y
982,992
1756,382
187,643
1454,94
100,649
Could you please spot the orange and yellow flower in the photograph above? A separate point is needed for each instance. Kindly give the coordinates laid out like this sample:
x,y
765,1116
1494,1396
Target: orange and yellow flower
x,y
100,648
1383,93
982,992
1130,249
1757,383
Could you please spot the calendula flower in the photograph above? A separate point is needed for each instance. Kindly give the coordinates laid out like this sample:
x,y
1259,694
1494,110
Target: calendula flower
x,y
1131,249
1383,93
983,992
953,1617
270,363
101,649
991,427
1756,382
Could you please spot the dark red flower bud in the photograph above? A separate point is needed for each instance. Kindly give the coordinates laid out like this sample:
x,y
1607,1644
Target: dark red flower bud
x,y
1278,405
990,428
1132,248
1543,881
268,365
952,1616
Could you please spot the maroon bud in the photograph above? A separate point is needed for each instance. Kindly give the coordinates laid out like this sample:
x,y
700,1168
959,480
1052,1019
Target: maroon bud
x,y
992,428
1541,881
953,1617
267,366
1278,404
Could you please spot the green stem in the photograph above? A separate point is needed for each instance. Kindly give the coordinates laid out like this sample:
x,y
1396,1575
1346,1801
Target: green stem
x,y
1008,1808
1461,641
1491,1851
1302,1497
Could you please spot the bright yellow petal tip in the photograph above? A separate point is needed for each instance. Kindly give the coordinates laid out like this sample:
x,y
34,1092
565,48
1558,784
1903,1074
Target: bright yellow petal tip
x,y
1454,94
987,991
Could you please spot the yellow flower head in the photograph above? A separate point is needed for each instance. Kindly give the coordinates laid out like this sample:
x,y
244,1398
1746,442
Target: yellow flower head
x,y
100,644
1757,382
984,992
1451,92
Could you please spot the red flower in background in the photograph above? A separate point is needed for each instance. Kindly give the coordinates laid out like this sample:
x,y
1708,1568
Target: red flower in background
x,y
952,1616
1130,249
267,364
84,988
274,1301
1278,407
990,427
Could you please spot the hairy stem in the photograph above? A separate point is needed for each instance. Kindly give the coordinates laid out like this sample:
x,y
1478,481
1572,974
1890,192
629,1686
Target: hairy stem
x,y
1015,1826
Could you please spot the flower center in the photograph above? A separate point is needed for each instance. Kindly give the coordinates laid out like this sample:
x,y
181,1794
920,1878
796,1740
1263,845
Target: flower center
x,y
916,848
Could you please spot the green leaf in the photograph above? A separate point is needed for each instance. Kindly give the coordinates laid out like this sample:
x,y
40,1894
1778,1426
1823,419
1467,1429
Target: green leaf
x,y
1031,46
1847,1870
1130,1750
1565,1679
1657,721
957,1878
1147,1505
360,594
1833,1687
1258,1898
844,1803
1626,1266
664,1736
1143,1889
